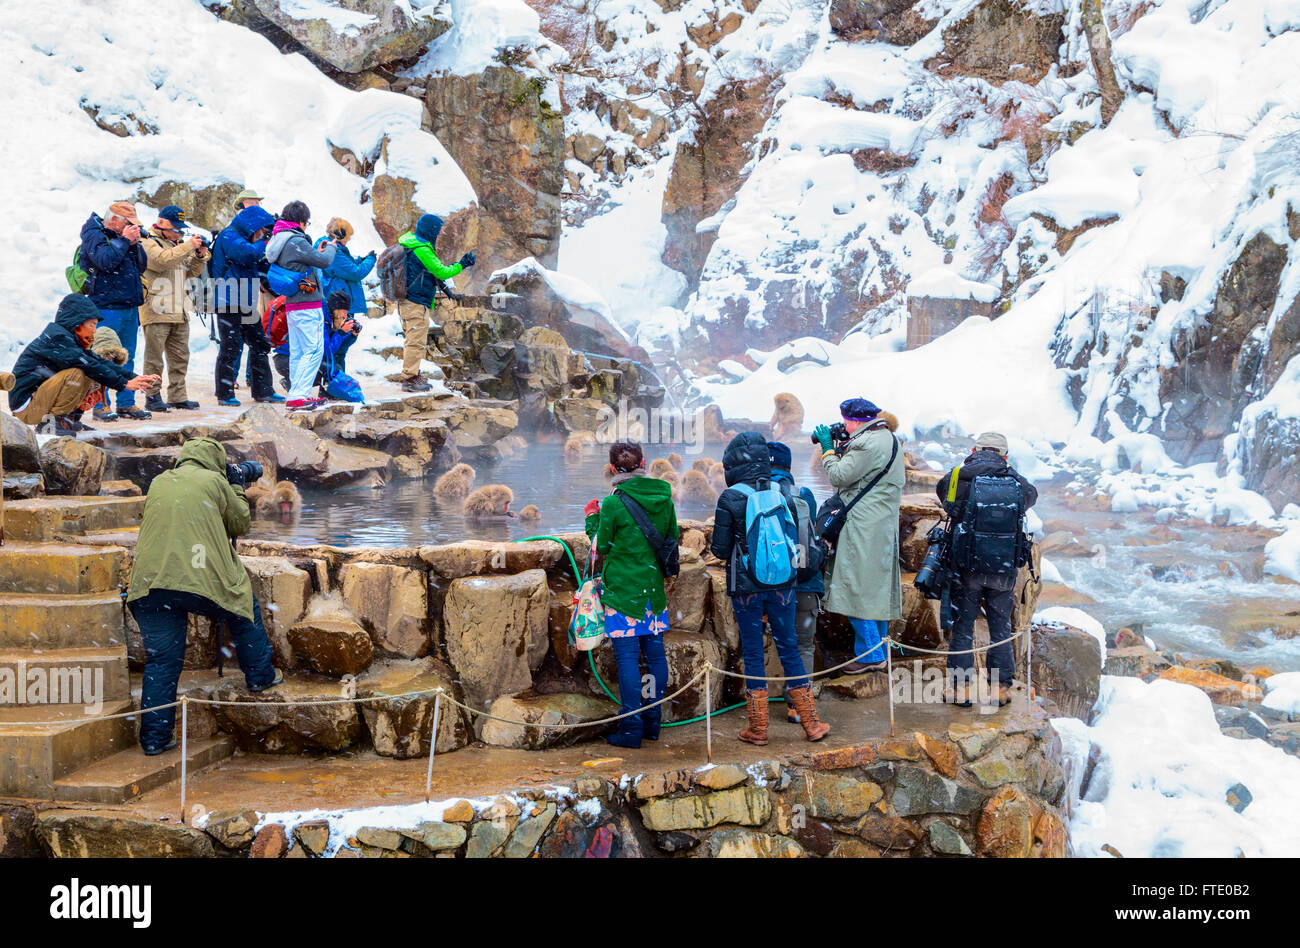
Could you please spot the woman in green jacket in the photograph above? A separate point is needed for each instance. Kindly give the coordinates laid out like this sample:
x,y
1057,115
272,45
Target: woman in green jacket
x,y
632,587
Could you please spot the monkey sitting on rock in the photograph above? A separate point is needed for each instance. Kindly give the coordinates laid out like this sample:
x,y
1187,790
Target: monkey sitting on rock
x,y
787,419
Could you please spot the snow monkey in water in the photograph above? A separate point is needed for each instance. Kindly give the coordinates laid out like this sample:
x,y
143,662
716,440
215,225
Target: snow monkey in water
x,y
284,501
787,420
703,464
718,476
675,460
696,489
456,482
530,514
578,441
490,502
257,490
659,467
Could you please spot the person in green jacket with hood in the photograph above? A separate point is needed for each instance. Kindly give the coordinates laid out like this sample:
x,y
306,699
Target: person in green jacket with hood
x,y
423,272
185,562
632,587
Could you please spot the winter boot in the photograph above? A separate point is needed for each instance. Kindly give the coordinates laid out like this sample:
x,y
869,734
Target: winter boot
x,y
628,733
802,700
651,720
756,706
155,403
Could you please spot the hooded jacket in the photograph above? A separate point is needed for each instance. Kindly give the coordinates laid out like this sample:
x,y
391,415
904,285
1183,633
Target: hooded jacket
x,y
289,247
423,268
745,461
631,578
114,265
979,464
235,260
345,275
58,348
190,516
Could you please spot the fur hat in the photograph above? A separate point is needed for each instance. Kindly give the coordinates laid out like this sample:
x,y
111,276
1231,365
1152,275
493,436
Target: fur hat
x,y
107,345
337,224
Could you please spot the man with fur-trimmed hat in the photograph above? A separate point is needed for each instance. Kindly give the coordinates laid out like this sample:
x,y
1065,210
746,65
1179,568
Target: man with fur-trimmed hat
x,y
985,577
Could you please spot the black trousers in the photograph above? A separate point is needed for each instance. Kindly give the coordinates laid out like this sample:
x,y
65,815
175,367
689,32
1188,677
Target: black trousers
x,y
997,595
236,330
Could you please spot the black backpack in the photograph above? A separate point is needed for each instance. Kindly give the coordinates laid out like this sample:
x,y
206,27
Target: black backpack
x,y
665,548
990,536
812,551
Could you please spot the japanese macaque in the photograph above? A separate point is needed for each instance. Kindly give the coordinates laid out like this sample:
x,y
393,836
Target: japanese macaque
x,y
672,477
711,428
659,467
718,477
256,491
675,460
703,464
787,420
284,501
490,502
456,482
577,443
696,489
530,514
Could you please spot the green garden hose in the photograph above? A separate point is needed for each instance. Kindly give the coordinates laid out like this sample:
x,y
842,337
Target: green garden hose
x,y
591,660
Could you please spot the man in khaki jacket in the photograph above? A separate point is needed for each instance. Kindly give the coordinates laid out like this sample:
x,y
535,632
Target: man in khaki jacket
x,y
165,315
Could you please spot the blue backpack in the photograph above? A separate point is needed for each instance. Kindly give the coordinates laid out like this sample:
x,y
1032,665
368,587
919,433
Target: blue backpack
x,y
286,282
771,536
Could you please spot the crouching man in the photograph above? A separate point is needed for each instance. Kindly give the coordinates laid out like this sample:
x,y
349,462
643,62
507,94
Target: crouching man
x,y
185,562
56,373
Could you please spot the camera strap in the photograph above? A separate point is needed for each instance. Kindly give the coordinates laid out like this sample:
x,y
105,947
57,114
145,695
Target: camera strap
x,y
893,455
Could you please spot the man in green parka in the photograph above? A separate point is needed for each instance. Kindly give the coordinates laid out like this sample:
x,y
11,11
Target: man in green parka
x,y
185,562
423,273
864,582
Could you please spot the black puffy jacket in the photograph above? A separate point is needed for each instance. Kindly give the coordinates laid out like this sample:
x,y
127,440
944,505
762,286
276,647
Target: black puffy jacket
x,y
979,464
746,461
114,264
57,348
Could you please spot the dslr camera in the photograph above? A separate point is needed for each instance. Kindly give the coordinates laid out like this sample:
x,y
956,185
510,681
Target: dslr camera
x,y
243,473
839,433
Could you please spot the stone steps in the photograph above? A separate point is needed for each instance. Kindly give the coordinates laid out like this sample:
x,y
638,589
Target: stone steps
x,y
60,568
34,756
129,773
107,668
39,621
43,519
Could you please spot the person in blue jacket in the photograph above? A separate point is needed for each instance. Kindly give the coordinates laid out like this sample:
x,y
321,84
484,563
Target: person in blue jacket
x,y
113,258
345,274
236,253
808,594
341,331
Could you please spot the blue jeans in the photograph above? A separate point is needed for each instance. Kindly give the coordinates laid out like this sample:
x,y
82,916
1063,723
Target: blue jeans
x,y
779,607
868,636
628,651
162,617
126,323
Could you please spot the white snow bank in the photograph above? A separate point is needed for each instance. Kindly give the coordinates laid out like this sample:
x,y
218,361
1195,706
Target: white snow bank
x,y
1161,777
945,284
1282,554
482,29
1283,692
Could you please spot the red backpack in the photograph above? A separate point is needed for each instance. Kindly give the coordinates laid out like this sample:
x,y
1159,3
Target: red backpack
x,y
276,322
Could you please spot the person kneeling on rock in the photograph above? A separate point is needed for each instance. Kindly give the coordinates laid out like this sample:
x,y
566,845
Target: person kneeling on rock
x,y
185,562
636,606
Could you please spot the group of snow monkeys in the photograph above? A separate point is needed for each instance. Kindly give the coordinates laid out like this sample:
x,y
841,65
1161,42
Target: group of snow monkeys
x,y
700,484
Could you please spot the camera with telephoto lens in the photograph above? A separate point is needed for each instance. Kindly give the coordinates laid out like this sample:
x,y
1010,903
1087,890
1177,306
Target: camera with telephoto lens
x,y
243,473
932,577
839,433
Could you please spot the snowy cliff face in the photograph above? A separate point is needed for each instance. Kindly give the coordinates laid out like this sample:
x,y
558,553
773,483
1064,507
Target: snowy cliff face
x,y
1139,247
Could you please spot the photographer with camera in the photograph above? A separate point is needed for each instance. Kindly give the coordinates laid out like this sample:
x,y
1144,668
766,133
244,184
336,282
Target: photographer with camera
x,y
345,274
174,259
424,273
985,499
865,465
185,562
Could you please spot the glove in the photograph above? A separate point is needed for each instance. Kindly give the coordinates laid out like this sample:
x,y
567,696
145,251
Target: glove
x,y
593,506
823,435
467,260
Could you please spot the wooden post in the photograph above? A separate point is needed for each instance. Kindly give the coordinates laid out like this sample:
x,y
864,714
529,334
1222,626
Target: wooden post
x,y
7,382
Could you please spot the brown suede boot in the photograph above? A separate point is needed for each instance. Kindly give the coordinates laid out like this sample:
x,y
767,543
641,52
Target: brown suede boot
x,y
756,706
802,700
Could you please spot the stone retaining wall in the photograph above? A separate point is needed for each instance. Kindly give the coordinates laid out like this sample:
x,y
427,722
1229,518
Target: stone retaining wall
x,y
986,788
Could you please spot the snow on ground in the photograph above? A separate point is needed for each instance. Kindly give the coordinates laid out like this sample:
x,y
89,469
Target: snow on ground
x,y
1162,772
1283,692
220,103
1064,615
